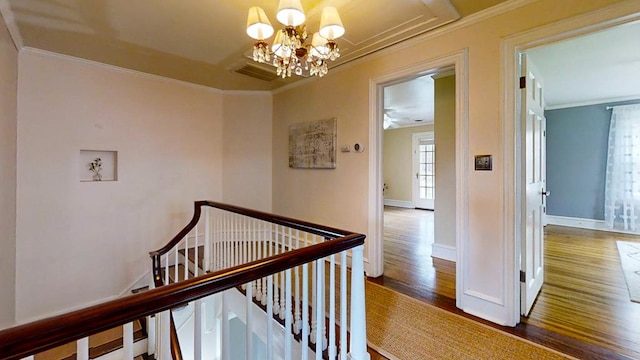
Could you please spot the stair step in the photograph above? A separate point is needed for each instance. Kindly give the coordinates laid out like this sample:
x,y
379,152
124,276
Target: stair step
x,y
99,344
172,272
192,254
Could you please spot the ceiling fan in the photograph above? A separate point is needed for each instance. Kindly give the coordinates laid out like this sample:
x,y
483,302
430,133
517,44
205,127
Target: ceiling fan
x,y
390,121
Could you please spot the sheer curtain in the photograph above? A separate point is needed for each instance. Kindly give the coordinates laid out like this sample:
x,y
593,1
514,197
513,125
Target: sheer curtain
x,y
622,184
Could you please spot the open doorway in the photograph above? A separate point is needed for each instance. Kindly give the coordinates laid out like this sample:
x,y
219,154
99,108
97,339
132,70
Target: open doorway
x,y
582,267
452,190
411,109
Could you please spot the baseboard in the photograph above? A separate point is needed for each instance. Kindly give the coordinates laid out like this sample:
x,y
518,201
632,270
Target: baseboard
x,y
399,203
444,252
590,224
142,281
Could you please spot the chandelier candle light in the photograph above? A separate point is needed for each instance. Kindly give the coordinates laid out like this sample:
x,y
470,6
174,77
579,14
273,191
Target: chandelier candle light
x,y
289,52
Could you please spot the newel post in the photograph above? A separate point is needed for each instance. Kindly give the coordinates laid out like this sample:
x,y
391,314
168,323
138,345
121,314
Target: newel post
x,y
358,344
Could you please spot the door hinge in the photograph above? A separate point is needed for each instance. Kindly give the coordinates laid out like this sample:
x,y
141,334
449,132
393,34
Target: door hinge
x,y
523,276
523,82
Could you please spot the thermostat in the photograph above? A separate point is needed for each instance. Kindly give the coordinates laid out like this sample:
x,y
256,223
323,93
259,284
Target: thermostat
x,y
357,147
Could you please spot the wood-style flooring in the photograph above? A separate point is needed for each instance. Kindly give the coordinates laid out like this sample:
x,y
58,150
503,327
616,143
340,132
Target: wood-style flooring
x,y
583,309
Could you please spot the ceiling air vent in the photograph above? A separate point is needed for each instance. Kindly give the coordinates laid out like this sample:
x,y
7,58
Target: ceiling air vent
x,y
257,72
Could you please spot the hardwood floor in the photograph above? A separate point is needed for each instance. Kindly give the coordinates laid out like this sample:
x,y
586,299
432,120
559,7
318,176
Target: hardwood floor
x,y
583,310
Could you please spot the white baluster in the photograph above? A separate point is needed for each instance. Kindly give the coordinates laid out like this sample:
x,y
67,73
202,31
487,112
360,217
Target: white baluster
x,y
283,249
305,311
270,317
151,335
265,252
274,246
249,325
319,310
288,321
343,305
163,335
314,297
297,320
175,264
358,344
82,349
186,257
207,240
127,340
195,253
227,239
197,329
254,253
236,247
332,307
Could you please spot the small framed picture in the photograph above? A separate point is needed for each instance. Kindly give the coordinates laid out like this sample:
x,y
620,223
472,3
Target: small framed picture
x,y
483,162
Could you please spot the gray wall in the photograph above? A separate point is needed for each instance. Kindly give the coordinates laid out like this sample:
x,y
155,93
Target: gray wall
x,y
577,141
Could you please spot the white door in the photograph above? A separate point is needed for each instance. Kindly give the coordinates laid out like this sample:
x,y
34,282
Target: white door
x,y
533,171
424,168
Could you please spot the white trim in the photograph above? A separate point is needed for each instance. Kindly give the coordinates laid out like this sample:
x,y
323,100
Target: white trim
x,y
142,281
119,69
248,92
459,60
580,223
10,21
444,252
613,15
399,203
594,102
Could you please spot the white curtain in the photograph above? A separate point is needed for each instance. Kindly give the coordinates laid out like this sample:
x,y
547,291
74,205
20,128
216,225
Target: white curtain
x,y
622,184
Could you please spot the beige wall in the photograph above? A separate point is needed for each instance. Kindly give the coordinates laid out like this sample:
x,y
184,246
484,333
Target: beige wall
x,y
398,162
248,150
81,242
8,119
340,197
445,129
336,197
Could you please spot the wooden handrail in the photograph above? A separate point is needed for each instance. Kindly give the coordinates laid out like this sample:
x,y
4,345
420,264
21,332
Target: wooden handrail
x,y
23,340
324,231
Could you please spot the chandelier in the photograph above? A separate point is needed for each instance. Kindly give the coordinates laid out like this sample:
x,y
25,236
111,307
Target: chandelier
x,y
289,53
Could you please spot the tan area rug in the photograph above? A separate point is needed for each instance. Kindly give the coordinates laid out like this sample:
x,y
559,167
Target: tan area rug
x,y
402,328
630,260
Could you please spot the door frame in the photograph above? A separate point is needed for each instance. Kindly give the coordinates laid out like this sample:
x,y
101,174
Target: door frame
x,y
512,46
415,166
375,236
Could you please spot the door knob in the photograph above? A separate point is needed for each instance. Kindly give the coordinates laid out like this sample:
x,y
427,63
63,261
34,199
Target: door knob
x,y
546,193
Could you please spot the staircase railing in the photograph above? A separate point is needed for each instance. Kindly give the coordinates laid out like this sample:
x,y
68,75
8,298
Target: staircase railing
x,y
304,299
32,338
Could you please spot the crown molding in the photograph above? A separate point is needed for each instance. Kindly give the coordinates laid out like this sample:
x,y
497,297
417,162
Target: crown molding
x,y
248,92
449,27
10,21
119,69
594,102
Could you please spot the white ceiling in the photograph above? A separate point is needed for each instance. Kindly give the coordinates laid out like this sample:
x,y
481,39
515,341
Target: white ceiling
x,y
410,103
595,68
204,41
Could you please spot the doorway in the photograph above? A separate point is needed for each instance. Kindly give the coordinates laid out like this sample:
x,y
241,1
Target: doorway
x,y
455,63
526,43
